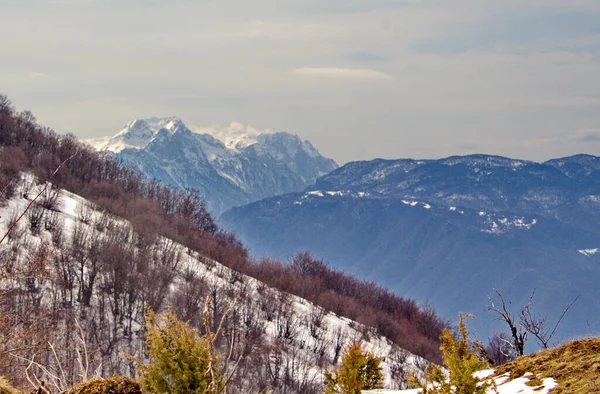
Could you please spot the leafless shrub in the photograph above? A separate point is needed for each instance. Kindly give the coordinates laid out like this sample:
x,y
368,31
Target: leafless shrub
x,y
57,374
18,230
50,199
269,304
315,320
35,215
537,327
84,212
399,371
339,340
58,231
287,323
53,222
526,324
235,277
500,349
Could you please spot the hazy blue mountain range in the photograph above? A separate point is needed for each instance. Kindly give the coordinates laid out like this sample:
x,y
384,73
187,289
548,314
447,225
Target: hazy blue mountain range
x,y
450,231
229,167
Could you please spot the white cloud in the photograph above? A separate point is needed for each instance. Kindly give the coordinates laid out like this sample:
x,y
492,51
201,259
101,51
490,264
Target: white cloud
x,y
37,75
345,73
587,134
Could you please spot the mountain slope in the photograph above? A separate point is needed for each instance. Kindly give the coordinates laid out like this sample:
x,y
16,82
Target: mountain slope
x,y
77,275
230,167
449,231
574,365
273,335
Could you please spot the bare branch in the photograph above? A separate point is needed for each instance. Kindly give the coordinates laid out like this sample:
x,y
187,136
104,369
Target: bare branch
x,y
48,183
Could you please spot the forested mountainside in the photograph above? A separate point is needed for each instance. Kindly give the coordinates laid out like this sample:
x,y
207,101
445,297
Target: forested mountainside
x,y
102,241
230,167
450,232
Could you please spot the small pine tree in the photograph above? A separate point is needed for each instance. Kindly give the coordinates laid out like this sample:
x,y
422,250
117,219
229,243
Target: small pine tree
x,y
359,370
461,359
181,361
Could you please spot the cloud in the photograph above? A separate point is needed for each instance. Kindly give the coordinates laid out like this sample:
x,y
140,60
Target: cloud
x,y
341,73
583,135
522,77
37,75
366,57
588,135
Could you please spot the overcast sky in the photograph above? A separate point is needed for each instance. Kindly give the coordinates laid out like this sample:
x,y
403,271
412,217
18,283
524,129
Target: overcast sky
x,y
359,78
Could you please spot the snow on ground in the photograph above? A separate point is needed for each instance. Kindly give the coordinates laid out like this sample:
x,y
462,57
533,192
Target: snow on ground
x,y
334,328
335,193
504,385
503,224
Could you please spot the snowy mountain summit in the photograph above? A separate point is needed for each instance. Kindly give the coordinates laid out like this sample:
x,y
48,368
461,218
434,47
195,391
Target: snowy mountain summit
x,y
138,133
230,165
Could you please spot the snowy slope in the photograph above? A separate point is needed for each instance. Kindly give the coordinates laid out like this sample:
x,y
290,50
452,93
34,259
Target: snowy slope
x,y
286,322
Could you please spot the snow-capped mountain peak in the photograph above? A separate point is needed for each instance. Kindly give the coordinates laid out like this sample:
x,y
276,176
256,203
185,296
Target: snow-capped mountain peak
x,y
230,165
235,136
138,133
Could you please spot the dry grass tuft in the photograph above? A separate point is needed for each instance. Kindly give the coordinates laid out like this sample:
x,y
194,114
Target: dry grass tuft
x,y
6,388
575,366
114,385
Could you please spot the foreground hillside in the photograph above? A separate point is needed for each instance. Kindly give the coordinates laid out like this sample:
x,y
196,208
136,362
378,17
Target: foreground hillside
x,y
284,342
450,231
81,257
572,368
575,366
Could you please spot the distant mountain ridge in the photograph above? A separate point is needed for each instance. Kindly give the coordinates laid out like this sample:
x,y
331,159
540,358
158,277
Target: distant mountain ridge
x,y
449,231
230,166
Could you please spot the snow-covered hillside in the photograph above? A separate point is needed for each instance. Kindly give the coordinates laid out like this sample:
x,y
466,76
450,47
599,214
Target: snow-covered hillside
x,y
230,165
94,264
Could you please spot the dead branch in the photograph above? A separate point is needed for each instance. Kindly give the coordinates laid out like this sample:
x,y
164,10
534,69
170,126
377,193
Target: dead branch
x,y
47,184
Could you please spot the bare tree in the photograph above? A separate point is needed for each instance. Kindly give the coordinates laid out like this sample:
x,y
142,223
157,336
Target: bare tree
x,y
527,323
499,349
517,329
84,212
537,327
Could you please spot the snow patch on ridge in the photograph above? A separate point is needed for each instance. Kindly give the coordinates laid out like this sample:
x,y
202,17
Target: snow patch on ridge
x,y
335,193
500,225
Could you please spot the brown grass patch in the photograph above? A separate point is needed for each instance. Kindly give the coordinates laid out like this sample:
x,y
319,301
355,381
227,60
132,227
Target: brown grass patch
x,y
114,385
575,366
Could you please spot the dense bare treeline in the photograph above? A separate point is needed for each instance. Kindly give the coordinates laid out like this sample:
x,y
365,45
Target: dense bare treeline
x,y
119,268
